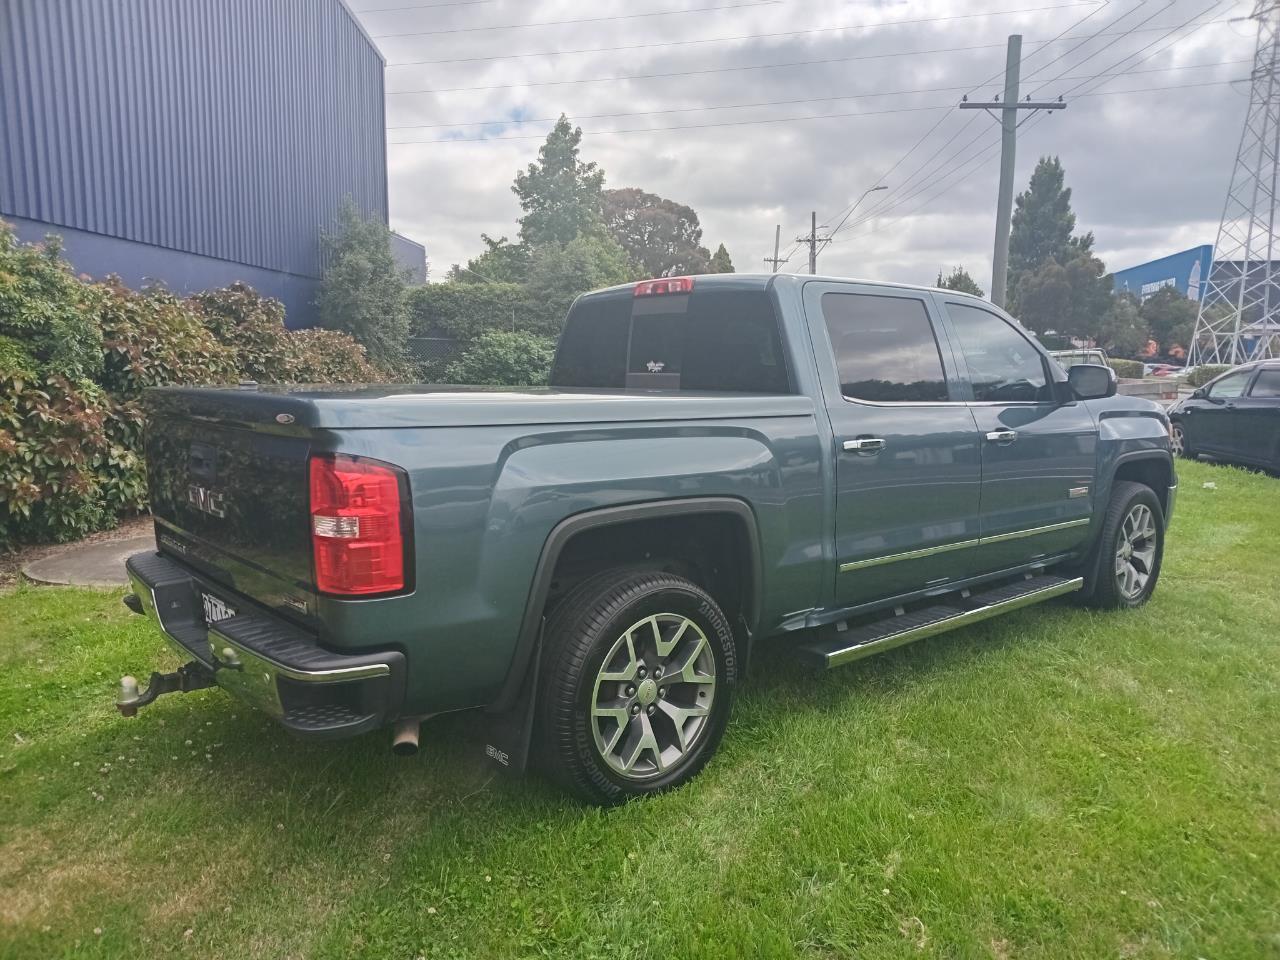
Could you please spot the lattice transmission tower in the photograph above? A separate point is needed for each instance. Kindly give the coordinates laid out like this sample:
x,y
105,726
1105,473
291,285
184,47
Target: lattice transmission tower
x,y
1239,316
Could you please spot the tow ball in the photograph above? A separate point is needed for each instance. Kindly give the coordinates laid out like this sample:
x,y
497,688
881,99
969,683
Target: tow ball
x,y
188,677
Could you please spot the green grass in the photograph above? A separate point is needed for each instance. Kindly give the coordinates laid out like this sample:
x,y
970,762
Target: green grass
x,y
1056,783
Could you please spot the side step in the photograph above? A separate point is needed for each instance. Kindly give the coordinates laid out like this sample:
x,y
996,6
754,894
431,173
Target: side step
x,y
837,649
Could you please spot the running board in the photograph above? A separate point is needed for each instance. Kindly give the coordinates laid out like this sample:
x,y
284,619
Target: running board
x,y
839,648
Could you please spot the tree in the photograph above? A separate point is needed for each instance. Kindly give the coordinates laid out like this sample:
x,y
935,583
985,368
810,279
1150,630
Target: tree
x,y
560,195
1070,298
662,237
720,262
1043,223
1171,317
1123,332
503,358
501,262
1055,281
559,272
362,292
959,279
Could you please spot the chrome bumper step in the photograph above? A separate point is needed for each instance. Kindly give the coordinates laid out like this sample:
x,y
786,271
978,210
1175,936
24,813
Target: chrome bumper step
x,y
837,648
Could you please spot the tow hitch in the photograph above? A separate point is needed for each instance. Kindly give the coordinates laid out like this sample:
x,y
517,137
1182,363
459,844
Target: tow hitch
x,y
188,677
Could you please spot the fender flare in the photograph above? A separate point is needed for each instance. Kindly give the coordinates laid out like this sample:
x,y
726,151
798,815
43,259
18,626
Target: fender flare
x,y
528,640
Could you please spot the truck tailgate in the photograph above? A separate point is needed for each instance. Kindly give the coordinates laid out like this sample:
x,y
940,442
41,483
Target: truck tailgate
x,y
230,499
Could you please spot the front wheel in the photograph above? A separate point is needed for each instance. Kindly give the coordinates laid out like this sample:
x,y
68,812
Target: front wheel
x,y
1178,441
638,676
1130,549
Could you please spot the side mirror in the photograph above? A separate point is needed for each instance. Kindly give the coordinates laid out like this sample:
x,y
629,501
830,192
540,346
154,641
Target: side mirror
x,y
1091,381
1199,393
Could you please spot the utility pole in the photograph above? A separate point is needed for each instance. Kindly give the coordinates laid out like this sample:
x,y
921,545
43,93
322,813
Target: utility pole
x,y
777,242
1009,123
812,240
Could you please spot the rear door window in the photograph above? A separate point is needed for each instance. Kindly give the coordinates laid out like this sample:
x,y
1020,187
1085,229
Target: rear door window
x,y
885,348
705,341
1267,385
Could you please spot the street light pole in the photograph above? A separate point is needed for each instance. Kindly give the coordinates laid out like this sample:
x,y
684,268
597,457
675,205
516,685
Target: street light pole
x,y
866,193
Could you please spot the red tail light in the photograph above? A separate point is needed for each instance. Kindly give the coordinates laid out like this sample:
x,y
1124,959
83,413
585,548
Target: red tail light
x,y
653,288
357,525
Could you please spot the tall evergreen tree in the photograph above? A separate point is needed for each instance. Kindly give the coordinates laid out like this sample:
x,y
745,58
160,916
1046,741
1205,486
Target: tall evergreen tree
x,y
1055,281
720,262
1043,222
560,195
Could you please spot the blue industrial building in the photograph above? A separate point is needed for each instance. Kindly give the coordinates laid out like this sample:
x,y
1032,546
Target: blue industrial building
x,y
1187,271
192,143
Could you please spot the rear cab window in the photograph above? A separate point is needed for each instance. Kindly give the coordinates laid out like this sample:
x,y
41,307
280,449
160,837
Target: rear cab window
x,y
708,340
885,348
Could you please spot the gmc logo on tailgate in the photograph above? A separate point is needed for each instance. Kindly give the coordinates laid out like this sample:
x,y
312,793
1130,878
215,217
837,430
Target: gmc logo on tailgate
x,y
207,501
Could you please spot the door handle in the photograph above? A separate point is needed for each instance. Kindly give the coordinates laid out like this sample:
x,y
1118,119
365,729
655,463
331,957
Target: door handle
x,y
1002,436
865,444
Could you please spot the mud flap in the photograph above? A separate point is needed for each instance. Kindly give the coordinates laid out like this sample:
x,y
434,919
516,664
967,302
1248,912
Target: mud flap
x,y
508,734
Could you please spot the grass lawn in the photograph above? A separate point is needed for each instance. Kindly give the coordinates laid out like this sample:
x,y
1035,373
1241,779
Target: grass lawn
x,y
1056,783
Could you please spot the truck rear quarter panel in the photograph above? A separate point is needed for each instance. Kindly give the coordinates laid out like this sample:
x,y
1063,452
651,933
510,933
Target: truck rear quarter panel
x,y
486,499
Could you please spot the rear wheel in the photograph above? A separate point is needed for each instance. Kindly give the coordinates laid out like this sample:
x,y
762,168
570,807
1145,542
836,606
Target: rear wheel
x,y
637,680
1130,549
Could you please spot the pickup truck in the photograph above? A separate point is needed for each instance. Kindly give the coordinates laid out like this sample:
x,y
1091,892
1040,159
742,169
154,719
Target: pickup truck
x,y
846,466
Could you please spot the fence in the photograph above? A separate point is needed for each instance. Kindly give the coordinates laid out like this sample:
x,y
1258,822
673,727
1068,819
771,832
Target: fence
x,y
431,355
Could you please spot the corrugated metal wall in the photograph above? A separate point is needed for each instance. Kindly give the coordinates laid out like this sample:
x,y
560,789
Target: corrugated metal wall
x,y
226,128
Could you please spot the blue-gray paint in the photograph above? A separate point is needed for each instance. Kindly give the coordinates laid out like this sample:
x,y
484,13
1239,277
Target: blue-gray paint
x,y
229,131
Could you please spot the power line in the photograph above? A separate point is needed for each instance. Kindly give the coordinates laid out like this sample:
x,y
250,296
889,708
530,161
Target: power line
x,y
745,36
521,121
561,23
1163,37
890,202
694,73
746,123
691,126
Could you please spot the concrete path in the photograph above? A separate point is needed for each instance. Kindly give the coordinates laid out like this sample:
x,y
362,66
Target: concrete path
x,y
88,565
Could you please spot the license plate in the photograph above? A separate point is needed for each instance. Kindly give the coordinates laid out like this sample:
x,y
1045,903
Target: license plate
x,y
215,609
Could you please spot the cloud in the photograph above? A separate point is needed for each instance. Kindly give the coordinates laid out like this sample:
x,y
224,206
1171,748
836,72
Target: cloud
x,y
1149,169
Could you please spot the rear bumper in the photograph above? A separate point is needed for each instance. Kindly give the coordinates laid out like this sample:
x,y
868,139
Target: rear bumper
x,y
268,662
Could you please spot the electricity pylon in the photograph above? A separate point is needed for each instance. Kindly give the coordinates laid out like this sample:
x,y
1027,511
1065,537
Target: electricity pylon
x,y
1239,316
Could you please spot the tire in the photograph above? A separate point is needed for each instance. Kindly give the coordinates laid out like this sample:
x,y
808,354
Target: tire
x,y
1126,565
608,729
1179,442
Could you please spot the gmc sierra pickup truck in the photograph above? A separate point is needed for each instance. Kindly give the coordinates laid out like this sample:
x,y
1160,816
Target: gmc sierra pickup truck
x,y
718,459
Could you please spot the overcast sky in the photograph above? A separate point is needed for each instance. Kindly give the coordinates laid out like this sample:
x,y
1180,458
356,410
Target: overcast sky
x,y
1149,170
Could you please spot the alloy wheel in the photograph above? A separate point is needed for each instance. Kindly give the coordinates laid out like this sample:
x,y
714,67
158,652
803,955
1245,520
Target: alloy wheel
x,y
653,695
1178,441
1135,551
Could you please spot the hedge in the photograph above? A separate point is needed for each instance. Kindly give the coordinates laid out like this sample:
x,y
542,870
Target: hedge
x,y
75,359
1129,369
1206,372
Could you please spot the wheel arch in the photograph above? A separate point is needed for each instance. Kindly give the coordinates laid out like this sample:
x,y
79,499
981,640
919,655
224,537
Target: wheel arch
x,y
650,516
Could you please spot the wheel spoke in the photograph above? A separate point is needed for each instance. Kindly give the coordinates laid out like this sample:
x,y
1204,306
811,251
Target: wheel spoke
x,y
679,718
640,738
632,664
665,648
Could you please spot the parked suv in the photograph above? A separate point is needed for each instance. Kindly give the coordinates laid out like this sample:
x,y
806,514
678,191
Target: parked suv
x,y
850,466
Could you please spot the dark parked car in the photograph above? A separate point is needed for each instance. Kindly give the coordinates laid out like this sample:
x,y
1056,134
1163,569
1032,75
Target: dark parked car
x,y
1235,417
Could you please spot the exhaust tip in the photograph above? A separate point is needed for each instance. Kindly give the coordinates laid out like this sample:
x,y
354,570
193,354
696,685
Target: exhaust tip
x,y
405,741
